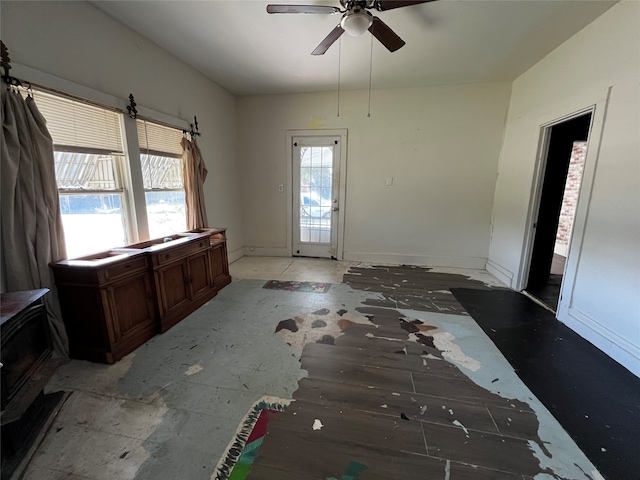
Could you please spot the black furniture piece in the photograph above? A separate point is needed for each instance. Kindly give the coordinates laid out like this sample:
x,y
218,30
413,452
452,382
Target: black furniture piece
x,y
27,365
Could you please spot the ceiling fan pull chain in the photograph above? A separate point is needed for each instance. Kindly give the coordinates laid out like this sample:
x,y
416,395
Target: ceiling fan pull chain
x,y
370,70
339,66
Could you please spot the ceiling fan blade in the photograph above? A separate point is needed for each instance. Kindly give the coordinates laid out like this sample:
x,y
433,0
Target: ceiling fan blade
x,y
326,9
382,5
328,41
387,37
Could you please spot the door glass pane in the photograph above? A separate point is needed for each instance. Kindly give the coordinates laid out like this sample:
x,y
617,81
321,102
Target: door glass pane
x,y
316,177
92,222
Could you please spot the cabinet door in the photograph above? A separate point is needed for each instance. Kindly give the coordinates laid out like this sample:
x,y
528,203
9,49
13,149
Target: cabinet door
x,y
171,285
131,304
200,278
219,262
132,313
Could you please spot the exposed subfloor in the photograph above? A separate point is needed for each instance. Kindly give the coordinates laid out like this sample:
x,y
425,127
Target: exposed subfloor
x,y
403,380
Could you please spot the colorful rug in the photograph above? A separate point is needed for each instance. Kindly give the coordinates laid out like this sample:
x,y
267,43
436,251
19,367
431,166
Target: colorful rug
x,y
291,286
241,452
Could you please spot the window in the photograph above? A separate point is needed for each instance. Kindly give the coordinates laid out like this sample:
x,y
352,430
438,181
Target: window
x,y
161,159
96,181
89,156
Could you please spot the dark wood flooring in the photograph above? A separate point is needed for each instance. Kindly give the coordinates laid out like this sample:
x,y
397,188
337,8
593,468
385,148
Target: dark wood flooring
x,y
414,288
392,408
596,400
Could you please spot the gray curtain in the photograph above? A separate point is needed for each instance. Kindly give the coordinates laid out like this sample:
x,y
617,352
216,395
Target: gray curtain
x,y
32,234
194,173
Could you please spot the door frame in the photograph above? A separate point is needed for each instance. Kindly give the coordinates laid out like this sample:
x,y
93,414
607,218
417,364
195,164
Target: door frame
x,y
597,107
546,135
342,183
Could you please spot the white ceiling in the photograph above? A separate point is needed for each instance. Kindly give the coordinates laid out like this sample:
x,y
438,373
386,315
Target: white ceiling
x,y
249,52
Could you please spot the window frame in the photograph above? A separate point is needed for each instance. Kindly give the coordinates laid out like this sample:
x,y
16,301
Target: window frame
x,y
167,189
119,161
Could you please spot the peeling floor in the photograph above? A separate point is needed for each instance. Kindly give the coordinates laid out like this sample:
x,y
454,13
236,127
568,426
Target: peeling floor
x,y
169,410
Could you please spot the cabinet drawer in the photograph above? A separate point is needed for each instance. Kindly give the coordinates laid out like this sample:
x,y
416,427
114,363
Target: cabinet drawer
x,y
125,268
177,253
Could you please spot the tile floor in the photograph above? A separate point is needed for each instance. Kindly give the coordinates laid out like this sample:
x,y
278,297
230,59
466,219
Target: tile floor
x,y
285,268
168,410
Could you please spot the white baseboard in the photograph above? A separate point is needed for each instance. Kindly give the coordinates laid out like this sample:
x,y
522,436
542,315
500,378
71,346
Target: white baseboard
x,y
237,254
501,273
618,348
267,252
476,263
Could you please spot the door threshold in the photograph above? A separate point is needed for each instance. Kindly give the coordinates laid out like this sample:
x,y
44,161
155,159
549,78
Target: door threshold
x,y
539,302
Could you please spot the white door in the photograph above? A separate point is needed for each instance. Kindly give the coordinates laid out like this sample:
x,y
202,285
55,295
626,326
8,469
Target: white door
x,y
316,180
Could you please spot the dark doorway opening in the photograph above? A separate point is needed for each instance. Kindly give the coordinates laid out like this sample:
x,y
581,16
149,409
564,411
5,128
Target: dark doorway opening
x,y
567,141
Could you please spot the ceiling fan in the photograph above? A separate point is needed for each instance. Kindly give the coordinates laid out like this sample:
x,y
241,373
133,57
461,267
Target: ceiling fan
x,y
356,19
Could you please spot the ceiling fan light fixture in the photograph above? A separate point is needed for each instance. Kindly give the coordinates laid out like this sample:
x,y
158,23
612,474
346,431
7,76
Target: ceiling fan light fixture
x,y
356,23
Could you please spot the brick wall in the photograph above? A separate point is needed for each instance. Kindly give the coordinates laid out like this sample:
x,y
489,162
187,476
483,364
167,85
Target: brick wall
x,y
570,197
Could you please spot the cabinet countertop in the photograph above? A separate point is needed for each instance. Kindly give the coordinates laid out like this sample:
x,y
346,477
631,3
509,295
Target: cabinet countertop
x,y
118,254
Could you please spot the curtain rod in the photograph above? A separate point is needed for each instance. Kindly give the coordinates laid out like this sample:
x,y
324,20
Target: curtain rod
x,y
193,132
6,66
133,113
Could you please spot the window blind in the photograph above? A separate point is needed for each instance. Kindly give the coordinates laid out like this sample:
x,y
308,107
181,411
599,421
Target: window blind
x,y
161,173
80,127
158,140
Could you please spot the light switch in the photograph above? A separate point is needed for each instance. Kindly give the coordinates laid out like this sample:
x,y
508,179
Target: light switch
x,y
281,187
389,181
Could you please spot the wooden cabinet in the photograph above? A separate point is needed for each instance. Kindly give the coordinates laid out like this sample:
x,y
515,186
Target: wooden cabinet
x,y
112,302
107,305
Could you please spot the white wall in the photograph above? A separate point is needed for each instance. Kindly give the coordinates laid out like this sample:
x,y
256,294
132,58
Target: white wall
x,y
77,42
440,144
604,306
